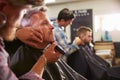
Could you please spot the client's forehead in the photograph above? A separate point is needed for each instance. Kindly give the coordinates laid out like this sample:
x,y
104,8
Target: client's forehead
x,y
43,17
40,15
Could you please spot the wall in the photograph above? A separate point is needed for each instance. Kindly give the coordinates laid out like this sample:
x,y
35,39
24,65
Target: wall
x,y
100,7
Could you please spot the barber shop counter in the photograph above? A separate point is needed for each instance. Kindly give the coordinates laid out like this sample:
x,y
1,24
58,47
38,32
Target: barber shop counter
x,y
105,50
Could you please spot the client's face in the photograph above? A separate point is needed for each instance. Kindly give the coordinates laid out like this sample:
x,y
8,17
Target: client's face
x,y
41,21
88,37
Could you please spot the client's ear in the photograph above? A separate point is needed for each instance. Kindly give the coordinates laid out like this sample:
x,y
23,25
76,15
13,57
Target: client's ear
x,y
82,36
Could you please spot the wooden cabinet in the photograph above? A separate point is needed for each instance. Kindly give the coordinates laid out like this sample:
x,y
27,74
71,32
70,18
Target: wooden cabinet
x,y
105,50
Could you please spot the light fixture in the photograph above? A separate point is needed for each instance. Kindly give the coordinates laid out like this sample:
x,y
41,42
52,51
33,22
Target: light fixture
x,y
49,1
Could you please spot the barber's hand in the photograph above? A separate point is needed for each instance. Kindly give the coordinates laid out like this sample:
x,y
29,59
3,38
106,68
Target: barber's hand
x,y
51,54
78,40
29,36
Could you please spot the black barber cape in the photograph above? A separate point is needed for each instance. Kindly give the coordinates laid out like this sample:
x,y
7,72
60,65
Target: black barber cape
x,y
25,57
89,65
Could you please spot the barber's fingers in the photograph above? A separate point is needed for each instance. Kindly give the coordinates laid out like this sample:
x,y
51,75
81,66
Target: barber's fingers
x,y
51,54
36,37
53,45
29,33
50,49
77,40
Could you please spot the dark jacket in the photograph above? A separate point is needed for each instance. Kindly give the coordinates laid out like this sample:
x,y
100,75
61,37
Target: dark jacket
x,y
78,62
25,57
89,65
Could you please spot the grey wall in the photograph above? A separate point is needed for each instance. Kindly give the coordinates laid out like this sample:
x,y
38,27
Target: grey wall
x,y
100,7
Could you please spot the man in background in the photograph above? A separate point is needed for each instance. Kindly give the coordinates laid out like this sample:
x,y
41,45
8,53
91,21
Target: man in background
x,y
87,63
65,18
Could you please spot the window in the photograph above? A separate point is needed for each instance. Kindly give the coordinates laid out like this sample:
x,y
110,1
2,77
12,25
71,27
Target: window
x,y
109,22
49,1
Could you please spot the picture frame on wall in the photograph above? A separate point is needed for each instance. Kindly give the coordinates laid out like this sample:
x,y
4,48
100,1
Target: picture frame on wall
x,y
83,18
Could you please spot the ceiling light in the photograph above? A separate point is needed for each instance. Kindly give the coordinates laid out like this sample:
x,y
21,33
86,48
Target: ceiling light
x,y
49,1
